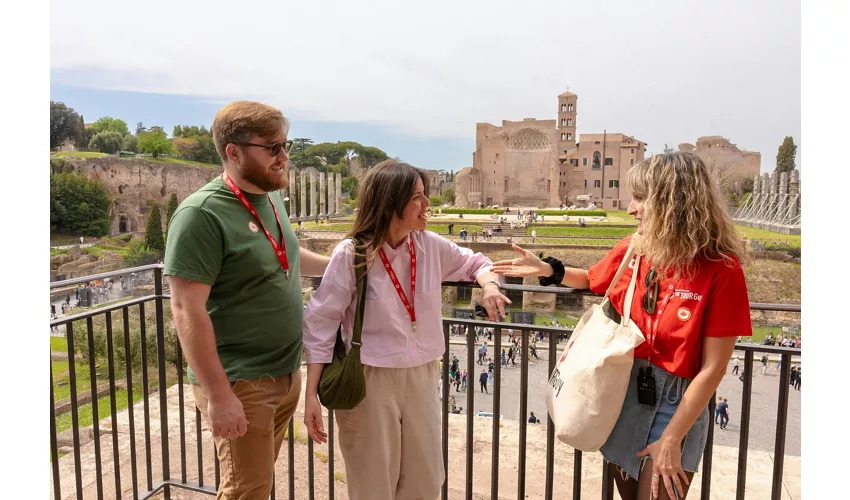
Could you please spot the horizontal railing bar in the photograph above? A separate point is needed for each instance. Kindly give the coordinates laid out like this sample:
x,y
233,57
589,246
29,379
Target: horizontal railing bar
x,y
102,310
505,325
108,274
158,486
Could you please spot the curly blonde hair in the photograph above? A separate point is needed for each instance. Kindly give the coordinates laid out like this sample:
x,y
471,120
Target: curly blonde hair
x,y
685,217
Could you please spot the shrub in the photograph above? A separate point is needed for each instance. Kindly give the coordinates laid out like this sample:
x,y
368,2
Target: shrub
x,y
136,254
78,205
107,142
120,350
473,211
436,200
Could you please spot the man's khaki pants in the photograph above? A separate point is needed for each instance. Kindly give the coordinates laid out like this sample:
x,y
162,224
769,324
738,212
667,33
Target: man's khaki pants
x,y
247,462
391,440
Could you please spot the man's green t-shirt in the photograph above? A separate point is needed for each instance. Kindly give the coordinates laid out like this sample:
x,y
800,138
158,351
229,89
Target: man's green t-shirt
x,y
255,311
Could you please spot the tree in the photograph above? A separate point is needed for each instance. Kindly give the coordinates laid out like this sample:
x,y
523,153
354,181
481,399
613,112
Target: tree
x,y
80,139
78,205
449,195
107,142
328,153
371,156
349,185
140,129
170,208
185,148
65,124
131,144
153,233
154,143
107,123
785,158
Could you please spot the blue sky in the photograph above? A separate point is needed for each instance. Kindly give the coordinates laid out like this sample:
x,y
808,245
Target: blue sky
x,y
414,79
168,110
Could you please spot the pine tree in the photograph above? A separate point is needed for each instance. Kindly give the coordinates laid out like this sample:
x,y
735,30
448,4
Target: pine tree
x,y
785,157
153,233
171,207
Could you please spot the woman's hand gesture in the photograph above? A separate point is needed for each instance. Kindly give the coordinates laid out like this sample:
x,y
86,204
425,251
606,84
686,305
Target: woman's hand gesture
x,y
666,457
527,264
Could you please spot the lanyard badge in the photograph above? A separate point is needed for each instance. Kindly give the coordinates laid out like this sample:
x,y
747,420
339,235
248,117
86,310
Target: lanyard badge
x,y
408,305
280,249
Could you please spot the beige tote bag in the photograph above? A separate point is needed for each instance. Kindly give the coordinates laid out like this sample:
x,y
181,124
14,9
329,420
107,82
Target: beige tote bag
x,y
588,386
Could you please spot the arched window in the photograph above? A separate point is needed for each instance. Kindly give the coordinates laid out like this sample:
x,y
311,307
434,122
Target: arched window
x,y
597,159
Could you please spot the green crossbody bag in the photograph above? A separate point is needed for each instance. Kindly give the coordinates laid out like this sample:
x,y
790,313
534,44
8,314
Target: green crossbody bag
x,y
343,385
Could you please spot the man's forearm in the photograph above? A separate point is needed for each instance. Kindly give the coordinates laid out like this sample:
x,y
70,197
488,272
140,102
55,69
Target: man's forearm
x,y
197,340
313,264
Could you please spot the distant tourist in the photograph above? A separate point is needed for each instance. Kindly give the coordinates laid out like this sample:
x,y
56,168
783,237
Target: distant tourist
x,y
736,364
724,413
532,419
482,379
533,235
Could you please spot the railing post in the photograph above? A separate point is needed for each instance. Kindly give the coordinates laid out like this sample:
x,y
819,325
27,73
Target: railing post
x,y
163,399
781,423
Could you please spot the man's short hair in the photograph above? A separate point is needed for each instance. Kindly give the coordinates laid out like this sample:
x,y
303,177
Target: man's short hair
x,y
240,120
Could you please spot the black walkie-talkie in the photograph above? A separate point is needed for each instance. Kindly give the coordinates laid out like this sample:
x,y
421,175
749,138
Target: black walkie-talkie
x,y
646,386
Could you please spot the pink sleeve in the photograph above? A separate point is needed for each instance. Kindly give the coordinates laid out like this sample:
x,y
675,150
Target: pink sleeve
x,y
458,263
329,305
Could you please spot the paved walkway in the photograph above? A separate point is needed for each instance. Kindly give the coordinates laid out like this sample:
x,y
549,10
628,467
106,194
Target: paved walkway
x,y
724,473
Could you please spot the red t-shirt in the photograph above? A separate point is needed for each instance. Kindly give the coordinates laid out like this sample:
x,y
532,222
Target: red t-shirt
x,y
713,304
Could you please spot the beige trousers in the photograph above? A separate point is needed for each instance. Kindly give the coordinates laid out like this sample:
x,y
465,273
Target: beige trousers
x,y
391,440
247,462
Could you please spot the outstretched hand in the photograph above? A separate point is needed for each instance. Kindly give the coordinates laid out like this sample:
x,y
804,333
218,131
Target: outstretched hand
x,y
527,264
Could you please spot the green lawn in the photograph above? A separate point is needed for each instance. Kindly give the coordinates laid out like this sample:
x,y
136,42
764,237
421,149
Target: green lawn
x,y
58,344
57,251
178,160
761,234
592,230
84,412
79,154
60,374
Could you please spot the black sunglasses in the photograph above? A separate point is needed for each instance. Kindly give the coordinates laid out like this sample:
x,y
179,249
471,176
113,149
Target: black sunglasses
x,y
274,149
650,298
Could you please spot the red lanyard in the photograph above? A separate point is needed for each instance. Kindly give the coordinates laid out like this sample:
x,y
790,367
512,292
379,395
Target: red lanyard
x,y
411,311
653,325
280,249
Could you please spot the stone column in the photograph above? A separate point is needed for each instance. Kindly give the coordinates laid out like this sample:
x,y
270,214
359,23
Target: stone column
x,y
292,191
312,205
323,207
338,192
331,194
303,197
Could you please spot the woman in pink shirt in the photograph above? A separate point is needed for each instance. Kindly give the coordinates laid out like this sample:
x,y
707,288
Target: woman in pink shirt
x,y
391,440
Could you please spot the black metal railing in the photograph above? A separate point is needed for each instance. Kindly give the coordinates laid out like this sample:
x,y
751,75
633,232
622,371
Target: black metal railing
x,y
145,480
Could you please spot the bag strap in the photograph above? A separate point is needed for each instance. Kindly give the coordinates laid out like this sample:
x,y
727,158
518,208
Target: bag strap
x,y
622,268
360,277
630,293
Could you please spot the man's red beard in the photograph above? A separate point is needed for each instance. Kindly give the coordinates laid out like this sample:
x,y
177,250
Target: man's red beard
x,y
264,177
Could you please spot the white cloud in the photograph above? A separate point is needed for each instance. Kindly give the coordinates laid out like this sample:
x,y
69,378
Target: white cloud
x,y
665,73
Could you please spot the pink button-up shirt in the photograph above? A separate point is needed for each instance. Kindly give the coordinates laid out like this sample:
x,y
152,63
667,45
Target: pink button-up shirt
x,y
388,337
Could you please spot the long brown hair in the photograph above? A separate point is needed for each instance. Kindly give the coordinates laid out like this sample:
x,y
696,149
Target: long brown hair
x,y
685,217
384,192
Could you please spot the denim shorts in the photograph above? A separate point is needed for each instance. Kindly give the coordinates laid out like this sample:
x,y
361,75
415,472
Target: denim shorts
x,y
640,425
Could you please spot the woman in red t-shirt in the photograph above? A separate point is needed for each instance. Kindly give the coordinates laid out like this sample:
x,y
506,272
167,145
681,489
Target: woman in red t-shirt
x,y
690,302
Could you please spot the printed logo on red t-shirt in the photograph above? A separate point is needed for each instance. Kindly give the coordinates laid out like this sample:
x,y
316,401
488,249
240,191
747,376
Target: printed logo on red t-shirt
x,y
684,313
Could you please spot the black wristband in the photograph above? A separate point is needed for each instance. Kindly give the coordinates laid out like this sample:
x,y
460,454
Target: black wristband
x,y
557,272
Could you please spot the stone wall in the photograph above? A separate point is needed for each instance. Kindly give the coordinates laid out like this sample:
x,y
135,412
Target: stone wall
x,y
132,182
